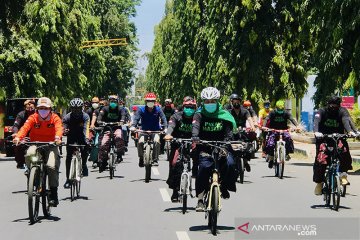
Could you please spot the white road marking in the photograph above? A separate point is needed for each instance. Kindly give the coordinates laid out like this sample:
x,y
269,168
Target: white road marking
x,y
155,171
165,195
182,235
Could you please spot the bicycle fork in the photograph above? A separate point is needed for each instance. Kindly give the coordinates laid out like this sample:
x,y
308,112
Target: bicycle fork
x,y
215,183
280,144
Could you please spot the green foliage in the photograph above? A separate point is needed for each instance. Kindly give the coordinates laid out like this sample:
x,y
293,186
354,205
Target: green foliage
x,y
355,115
40,51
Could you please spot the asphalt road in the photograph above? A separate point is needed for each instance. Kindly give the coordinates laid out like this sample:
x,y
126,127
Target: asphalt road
x,y
128,208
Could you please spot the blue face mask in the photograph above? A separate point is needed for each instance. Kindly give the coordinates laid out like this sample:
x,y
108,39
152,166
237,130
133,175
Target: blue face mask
x,y
210,107
188,112
113,105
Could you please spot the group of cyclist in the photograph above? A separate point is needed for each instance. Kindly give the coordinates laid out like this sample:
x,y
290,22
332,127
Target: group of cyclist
x,y
207,121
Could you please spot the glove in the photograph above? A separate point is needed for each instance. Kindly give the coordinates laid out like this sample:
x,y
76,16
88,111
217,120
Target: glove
x,y
318,134
132,129
16,140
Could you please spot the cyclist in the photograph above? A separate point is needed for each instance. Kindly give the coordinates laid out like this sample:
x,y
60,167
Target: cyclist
x,y
150,116
76,127
328,120
263,113
180,126
247,105
278,120
20,119
168,110
125,128
111,113
213,123
45,126
229,105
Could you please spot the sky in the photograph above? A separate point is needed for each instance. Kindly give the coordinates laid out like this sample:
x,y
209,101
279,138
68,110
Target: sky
x,y
149,14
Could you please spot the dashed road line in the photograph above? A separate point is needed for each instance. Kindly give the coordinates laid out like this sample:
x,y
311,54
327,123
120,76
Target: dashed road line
x,y
165,195
182,235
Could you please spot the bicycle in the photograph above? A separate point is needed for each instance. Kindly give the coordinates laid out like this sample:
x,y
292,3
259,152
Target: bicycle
x,y
241,150
185,178
112,155
94,151
38,186
212,197
332,187
75,173
148,151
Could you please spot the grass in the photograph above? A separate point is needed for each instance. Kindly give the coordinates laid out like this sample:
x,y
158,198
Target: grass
x,y
298,155
356,167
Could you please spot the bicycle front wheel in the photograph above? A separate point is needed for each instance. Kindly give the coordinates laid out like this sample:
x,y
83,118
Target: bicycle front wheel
x,y
72,178
183,191
241,169
336,192
281,162
45,195
112,165
34,190
214,210
147,163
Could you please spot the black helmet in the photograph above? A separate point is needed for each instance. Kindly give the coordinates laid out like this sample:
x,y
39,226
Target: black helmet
x,y
334,100
234,96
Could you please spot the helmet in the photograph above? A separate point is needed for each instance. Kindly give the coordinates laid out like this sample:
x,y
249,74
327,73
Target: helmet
x,y
114,97
280,104
235,96
150,97
95,99
189,101
247,103
334,100
44,102
134,108
210,93
76,102
168,100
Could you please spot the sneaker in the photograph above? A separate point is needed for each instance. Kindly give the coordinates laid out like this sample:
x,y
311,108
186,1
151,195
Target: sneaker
x,y
287,158
141,162
247,167
95,165
85,171
20,166
271,163
224,193
318,189
67,184
119,158
344,180
102,166
200,207
155,163
175,196
54,201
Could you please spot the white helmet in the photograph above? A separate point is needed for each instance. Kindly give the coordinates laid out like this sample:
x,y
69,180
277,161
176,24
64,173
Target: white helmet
x,y
210,93
76,102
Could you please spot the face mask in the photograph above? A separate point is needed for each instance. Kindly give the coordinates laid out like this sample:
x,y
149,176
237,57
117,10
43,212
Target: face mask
x,y
267,106
188,112
95,105
44,113
236,105
113,105
150,104
210,107
280,111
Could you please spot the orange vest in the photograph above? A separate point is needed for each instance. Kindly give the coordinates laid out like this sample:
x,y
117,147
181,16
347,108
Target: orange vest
x,y
43,131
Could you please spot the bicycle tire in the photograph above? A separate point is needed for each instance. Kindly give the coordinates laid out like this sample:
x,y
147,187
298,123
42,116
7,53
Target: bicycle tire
x,y
34,195
78,176
72,178
111,165
343,190
281,163
336,193
147,163
326,191
72,189
241,168
184,186
45,195
214,210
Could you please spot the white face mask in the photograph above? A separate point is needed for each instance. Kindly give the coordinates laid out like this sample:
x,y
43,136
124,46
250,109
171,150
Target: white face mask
x,y
150,104
95,105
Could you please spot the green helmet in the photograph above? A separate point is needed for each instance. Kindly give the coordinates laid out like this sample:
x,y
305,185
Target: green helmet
x,y
280,104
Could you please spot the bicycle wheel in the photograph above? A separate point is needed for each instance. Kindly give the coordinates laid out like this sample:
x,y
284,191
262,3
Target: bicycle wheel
x,y
34,194
147,163
281,162
72,178
241,169
111,165
183,192
45,195
326,191
214,210
78,176
167,147
336,192
343,190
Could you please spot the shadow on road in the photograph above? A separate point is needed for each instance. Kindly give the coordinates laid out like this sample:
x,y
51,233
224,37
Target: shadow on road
x,y
302,164
109,177
151,180
50,218
245,182
178,209
21,191
327,207
78,198
204,228
272,176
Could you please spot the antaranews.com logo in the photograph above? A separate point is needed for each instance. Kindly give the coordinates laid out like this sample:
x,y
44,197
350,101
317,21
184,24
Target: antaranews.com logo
x,y
301,230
